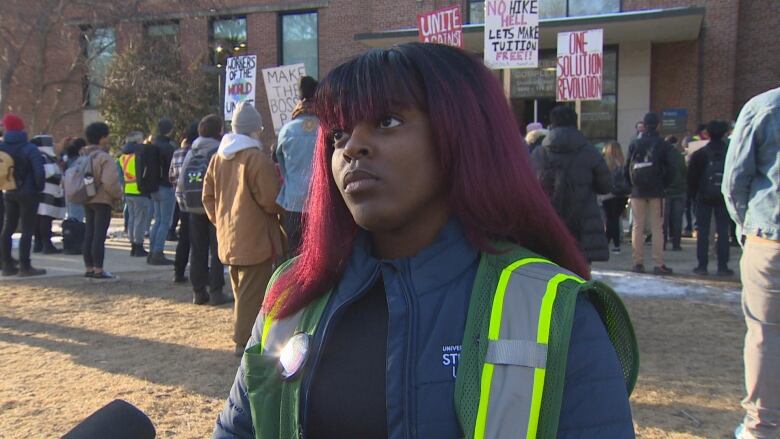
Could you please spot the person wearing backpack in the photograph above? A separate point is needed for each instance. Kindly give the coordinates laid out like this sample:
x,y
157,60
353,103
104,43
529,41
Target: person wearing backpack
x,y
676,194
705,176
206,269
239,195
138,204
22,178
650,171
614,203
183,241
572,173
107,193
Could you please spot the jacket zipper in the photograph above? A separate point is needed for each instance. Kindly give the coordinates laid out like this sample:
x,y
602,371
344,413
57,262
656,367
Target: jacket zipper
x,y
411,427
318,342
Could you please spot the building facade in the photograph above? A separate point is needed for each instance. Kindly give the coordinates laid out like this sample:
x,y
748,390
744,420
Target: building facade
x,y
691,60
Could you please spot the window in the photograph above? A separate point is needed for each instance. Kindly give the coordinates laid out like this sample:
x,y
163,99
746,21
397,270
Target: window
x,y
300,41
576,8
163,30
99,48
162,37
227,38
476,11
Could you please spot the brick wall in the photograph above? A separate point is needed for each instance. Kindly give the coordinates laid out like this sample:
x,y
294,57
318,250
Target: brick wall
x,y
758,68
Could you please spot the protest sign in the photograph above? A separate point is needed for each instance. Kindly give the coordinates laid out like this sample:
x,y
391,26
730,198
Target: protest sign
x,y
281,86
240,82
443,26
511,33
580,66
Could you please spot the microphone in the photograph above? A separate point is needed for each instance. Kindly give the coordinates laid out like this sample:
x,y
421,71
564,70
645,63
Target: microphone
x,y
117,420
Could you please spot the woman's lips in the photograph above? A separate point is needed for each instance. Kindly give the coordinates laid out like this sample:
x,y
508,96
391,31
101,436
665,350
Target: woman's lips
x,y
358,181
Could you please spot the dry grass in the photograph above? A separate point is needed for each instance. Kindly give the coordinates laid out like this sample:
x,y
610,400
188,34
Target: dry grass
x,y
70,346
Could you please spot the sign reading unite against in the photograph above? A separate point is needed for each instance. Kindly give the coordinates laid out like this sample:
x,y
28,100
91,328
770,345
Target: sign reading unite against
x,y
281,86
443,26
511,33
240,82
580,65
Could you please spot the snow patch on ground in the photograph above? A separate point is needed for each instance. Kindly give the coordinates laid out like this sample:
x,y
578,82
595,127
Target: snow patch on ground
x,y
645,285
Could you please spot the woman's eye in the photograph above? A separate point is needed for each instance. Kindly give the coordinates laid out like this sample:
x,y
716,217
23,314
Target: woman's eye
x,y
339,136
389,122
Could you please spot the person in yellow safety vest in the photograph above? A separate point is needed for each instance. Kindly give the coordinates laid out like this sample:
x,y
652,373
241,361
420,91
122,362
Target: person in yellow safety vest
x,y
437,294
138,205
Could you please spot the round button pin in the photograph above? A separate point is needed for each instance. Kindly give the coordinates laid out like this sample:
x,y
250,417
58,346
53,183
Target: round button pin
x,y
294,355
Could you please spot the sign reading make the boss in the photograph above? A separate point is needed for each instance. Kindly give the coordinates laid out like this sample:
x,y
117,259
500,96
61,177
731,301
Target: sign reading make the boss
x,y
240,81
580,65
281,86
511,33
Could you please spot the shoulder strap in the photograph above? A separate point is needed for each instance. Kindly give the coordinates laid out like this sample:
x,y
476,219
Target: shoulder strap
x,y
513,370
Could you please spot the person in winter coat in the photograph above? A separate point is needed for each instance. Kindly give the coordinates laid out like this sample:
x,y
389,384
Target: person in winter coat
x,y
98,207
183,241
572,173
381,328
535,138
72,152
21,204
614,203
294,151
137,204
239,194
676,194
51,205
650,170
705,175
207,273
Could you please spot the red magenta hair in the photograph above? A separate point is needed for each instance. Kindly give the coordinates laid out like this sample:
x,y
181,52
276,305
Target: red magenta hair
x,y
493,190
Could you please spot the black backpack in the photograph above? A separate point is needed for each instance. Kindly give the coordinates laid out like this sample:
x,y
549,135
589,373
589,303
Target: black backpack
x,y
711,180
620,185
73,232
147,168
190,183
644,170
560,188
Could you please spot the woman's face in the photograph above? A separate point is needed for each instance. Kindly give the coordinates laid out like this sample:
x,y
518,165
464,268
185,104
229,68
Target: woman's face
x,y
387,173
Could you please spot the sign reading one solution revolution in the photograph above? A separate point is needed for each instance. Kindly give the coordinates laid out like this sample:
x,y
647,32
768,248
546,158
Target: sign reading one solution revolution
x,y
443,26
240,82
281,86
511,33
580,66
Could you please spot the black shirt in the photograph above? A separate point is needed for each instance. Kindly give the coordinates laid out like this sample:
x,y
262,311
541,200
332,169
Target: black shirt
x,y
347,394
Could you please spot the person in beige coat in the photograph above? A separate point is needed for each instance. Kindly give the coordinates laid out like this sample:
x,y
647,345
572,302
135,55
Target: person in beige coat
x,y
239,195
98,207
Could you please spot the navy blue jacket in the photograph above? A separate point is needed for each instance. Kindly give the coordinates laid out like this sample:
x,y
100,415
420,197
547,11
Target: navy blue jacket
x,y
428,297
28,162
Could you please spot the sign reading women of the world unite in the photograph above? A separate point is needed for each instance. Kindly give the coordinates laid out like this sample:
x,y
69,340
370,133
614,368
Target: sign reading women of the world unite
x,y
511,33
240,81
580,66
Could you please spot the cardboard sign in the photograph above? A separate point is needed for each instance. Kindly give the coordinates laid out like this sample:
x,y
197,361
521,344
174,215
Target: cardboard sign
x,y
442,26
511,33
281,86
240,82
580,66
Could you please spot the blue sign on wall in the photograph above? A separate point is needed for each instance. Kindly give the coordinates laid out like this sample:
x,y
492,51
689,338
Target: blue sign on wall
x,y
674,120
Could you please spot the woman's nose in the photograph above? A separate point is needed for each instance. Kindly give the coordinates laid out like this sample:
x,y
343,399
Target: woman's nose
x,y
359,143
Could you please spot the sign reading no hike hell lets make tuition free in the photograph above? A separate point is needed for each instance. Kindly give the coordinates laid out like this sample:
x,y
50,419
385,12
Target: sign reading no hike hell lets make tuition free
x,y
240,82
580,65
281,86
443,26
511,33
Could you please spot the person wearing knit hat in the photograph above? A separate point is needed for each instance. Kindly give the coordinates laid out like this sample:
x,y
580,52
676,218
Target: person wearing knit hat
x,y
239,195
21,203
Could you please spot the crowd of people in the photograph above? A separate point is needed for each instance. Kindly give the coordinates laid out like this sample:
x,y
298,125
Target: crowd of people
x,y
661,180
402,248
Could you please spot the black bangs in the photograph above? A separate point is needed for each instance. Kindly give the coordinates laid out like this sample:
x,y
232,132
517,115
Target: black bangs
x,y
368,87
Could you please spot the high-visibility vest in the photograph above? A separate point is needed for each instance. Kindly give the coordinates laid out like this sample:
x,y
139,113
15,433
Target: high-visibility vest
x,y
127,163
527,356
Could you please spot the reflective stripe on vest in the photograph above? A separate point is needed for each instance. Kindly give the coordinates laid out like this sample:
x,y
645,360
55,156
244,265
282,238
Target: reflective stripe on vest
x,y
513,375
127,162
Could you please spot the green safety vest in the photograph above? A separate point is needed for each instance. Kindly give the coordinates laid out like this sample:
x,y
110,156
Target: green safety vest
x,y
511,386
127,163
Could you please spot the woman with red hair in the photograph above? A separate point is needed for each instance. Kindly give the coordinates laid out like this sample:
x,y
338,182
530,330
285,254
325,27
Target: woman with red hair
x,y
437,294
